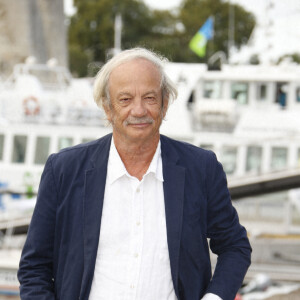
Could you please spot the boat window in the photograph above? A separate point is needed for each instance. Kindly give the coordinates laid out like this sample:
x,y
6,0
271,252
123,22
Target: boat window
x,y
262,92
239,92
254,159
229,157
19,148
281,93
279,158
1,146
298,94
191,100
207,146
64,142
212,89
86,140
41,149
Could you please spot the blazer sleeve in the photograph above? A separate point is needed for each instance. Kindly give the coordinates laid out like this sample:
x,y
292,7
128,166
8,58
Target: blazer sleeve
x,y
36,265
228,239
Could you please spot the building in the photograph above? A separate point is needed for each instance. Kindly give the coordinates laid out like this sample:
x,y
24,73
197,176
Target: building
x,y
32,28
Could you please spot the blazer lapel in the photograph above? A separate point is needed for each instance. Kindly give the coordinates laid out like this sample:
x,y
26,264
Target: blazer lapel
x,y
95,180
174,176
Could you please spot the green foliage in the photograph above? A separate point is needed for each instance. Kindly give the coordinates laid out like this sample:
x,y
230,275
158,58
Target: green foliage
x,y
195,12
294,57
254,59
92,28
91,31
78,61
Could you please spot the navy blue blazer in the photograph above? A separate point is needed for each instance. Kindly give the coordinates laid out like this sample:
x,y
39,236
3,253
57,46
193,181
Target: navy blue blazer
x,y
59,255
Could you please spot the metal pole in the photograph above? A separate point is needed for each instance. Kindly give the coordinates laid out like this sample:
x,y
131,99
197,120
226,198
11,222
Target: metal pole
x,y
118,33
230,30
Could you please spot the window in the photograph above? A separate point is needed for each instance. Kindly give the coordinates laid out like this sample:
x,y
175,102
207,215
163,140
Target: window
x,y
281,93
86,140
239,92
298,157
1,146
298,94
207,146
254,158
229,156
279,158
64,142
212,89
262,92
19,148
41,150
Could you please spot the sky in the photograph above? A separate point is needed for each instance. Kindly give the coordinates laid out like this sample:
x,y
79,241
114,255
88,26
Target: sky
x,y
163,4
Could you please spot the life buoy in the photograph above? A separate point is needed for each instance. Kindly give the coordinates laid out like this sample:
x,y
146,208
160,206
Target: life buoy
x,y
31,106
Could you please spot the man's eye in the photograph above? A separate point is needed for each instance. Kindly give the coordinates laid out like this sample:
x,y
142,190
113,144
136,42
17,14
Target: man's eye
x,y
150,99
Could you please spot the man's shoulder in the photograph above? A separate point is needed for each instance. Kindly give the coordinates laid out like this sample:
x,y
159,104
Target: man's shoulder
x,y
198,161
185,148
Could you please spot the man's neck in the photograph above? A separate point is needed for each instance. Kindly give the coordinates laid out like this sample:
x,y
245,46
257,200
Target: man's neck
x,y
136,156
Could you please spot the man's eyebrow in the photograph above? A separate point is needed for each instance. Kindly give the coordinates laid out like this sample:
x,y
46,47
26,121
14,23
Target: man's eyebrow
x,y
150,92
123,94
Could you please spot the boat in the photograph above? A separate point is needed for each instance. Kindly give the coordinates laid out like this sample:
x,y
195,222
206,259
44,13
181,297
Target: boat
x,y
247,114
42,110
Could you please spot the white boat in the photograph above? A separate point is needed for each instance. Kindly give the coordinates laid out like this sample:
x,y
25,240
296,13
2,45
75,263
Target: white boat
x,y
248,115
42,109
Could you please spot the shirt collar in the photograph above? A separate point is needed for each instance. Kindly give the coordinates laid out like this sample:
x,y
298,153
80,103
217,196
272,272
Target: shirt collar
x,y
116,168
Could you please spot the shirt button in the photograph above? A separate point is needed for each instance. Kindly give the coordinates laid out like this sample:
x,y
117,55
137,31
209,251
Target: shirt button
x,y
132,286
138,190
136,255
138,223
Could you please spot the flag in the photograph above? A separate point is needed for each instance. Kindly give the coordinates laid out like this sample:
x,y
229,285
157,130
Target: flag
x,y
199,41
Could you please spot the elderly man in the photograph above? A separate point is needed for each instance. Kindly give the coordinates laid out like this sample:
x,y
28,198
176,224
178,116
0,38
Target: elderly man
x,y
128,216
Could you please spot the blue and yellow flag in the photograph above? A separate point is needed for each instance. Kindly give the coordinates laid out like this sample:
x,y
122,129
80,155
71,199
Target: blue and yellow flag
x,y
205,33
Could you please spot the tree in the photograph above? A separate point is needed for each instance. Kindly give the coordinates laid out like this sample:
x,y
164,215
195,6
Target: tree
x,y
294,58
194,13
91,30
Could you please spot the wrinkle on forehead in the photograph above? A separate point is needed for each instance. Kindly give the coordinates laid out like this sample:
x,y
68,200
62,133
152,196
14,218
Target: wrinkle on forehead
x,y
135,67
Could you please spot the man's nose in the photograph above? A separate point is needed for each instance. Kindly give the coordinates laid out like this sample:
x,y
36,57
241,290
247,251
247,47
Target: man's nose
x,y
138,108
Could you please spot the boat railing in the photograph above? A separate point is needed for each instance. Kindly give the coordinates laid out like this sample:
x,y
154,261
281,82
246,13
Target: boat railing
x,y
50,77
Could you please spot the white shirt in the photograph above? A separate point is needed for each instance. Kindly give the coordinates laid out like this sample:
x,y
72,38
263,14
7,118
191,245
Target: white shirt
x,y
133,260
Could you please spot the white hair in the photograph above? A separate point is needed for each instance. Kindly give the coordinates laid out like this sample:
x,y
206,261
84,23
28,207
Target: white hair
x,y
101,90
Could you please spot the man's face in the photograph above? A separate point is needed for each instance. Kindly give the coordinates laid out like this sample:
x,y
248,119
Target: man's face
x,y
136,109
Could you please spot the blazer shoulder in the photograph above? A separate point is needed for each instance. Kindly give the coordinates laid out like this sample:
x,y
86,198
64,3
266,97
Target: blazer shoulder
x,y
187,151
